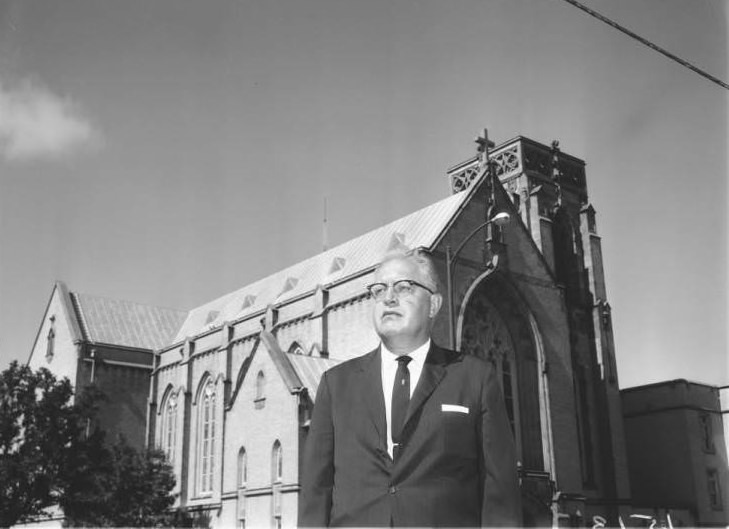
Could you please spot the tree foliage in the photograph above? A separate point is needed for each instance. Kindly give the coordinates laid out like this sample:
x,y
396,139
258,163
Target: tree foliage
x,y
119,486
50,456
39,429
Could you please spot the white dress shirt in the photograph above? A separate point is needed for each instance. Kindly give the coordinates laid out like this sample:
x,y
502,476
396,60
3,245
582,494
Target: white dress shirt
x,y
389,369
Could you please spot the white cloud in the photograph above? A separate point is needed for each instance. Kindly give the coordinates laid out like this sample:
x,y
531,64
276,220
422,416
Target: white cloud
x,y
35,123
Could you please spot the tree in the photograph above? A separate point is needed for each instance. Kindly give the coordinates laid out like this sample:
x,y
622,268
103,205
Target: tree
x,y
86,481
50,456
120,486
39,430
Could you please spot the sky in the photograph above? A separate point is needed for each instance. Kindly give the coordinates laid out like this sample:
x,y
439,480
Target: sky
x,y
170,152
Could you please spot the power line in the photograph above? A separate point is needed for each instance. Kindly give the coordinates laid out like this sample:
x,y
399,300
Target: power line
x,y
648,43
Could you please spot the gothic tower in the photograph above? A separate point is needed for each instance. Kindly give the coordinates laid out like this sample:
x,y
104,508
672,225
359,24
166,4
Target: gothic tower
x,y
547,195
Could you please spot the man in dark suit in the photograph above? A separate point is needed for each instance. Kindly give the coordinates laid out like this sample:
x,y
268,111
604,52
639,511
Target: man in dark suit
x,y
410,434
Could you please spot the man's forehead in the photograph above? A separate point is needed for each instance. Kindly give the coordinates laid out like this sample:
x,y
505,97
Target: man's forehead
x,y
398,268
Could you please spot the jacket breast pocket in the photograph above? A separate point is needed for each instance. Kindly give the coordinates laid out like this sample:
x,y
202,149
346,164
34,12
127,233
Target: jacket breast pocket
x,y
458,432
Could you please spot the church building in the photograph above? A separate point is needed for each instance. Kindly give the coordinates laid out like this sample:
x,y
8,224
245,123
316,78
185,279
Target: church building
x,y
517,249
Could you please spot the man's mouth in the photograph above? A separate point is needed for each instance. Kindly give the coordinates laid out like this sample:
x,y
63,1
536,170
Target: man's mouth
x,y
390,313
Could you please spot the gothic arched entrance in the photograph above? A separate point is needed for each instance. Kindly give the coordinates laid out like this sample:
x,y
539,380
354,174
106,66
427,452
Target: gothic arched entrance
x,y
495,324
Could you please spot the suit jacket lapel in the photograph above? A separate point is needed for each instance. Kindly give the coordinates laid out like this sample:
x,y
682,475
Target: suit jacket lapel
x,y
372,394
433,372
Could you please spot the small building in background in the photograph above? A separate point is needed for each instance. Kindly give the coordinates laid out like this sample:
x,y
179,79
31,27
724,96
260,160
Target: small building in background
x,y
677,455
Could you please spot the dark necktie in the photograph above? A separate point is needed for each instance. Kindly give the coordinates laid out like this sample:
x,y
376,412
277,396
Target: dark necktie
x,y
400,400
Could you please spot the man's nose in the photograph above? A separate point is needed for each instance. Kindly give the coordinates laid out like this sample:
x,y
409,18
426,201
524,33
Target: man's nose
x,y
390,297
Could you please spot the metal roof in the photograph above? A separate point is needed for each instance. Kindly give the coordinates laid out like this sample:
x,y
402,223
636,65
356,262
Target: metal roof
x,y
420,228
126,323
310,369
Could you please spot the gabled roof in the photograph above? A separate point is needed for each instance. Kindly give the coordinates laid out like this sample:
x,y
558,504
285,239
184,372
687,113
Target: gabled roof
x,y
298,372
310,369
421,228
125,323
280,360
68,314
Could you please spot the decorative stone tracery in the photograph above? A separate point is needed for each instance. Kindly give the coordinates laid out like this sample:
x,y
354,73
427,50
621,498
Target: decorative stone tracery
x,y
462,180
485,335
495,326
506,162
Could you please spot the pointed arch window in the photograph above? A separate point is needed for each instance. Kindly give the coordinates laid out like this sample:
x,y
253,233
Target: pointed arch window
x,y
51,339
242,483
276,479
206,436
277,463
242,468
169,427
50,344
485,334
260,400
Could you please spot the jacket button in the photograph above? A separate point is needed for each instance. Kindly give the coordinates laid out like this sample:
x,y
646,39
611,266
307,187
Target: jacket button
x,y
393,489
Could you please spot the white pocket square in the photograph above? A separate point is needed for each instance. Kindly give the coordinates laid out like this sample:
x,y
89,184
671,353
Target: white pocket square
x,y
454,407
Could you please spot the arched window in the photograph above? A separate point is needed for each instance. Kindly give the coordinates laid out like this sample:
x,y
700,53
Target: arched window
x,y
260,399
206,436
485,334
242,482
276,479
50,342
276,463
242,468
169,427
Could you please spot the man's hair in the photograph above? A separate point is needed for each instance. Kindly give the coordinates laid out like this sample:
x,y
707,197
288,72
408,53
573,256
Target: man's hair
x,y
421,258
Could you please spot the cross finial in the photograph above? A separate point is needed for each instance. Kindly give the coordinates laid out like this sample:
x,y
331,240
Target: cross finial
x,y
483,145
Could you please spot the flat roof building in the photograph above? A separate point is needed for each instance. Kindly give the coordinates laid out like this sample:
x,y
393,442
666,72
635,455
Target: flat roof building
x,y
677,455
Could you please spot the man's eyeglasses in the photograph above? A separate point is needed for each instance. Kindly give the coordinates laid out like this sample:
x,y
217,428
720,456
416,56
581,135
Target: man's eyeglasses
x,y
401,288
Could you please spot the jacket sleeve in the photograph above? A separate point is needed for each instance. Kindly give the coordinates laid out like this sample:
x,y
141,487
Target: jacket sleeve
x,y
317,479
501,503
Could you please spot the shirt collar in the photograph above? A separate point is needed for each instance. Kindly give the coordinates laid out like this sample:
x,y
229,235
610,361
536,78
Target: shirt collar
x,y
418,355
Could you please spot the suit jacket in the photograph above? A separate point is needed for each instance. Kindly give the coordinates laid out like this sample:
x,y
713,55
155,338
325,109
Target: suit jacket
x,y
457,465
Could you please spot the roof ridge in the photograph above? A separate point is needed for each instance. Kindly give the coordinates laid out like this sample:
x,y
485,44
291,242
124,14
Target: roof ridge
x,y
321,255
80,315
120,300
420,228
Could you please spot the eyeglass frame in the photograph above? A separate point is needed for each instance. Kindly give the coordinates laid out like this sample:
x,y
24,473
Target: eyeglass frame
x,y
388,286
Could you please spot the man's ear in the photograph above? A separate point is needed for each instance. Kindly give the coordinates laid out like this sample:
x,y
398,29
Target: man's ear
x,y
436,300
